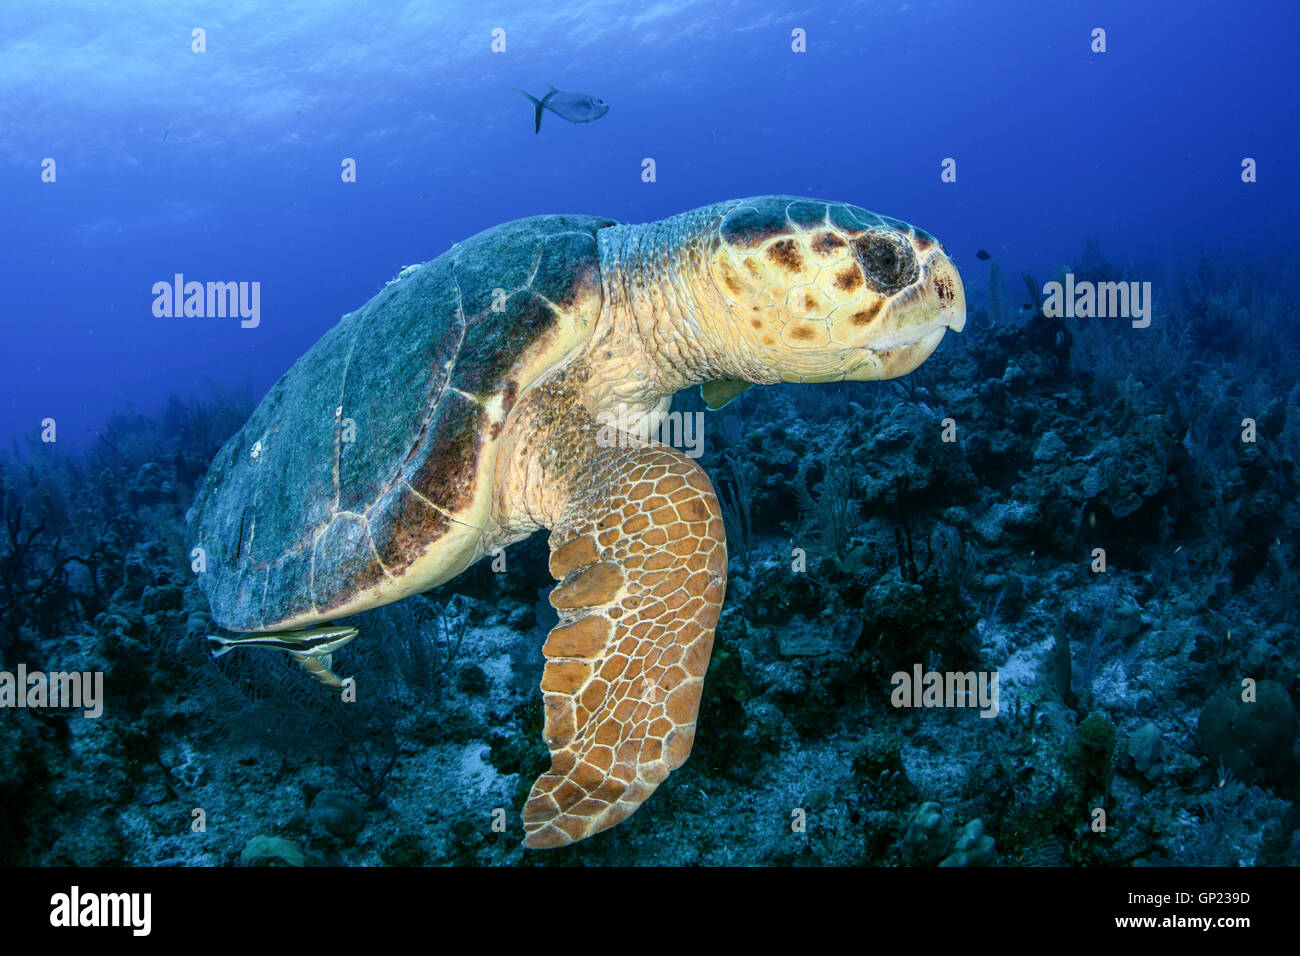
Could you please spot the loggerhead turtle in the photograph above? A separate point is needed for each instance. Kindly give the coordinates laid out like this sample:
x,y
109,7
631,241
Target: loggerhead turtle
x,y
460,410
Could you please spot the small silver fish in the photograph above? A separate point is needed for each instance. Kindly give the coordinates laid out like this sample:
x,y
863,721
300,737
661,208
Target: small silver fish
x,y
312,647
574,107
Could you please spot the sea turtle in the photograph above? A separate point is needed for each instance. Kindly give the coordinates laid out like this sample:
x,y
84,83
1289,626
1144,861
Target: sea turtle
x,y
468,403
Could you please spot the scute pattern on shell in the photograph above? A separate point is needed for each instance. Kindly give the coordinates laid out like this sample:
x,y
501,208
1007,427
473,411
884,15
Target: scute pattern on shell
x,y
420,377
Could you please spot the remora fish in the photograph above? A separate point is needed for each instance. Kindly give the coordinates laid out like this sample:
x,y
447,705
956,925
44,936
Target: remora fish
x,y
312,647
574,107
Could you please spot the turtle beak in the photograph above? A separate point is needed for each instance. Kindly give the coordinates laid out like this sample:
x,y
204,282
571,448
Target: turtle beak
x,y
917,322
943,283
944,308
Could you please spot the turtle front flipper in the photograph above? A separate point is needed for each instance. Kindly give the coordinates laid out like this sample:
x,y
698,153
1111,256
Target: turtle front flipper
x,y
641,559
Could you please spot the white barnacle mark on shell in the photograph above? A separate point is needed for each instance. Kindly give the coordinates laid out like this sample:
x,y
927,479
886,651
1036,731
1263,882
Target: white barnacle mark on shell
x,y
256,451
406,271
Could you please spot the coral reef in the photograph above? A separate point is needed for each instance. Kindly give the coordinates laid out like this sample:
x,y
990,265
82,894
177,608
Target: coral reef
x,y
1069,506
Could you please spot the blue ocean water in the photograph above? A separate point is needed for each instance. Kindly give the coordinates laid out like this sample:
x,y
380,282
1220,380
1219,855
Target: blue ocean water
x,y
314,151
225,165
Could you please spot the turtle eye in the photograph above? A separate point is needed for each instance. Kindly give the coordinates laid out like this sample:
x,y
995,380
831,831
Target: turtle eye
x,y
887,261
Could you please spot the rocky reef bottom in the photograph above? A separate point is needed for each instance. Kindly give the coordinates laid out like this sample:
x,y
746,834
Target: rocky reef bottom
x,y
1102,519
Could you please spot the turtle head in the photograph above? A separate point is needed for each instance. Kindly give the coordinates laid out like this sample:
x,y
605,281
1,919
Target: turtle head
x,y
818,291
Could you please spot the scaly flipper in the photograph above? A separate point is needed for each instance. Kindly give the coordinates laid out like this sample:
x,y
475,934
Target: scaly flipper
x,y
641,558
